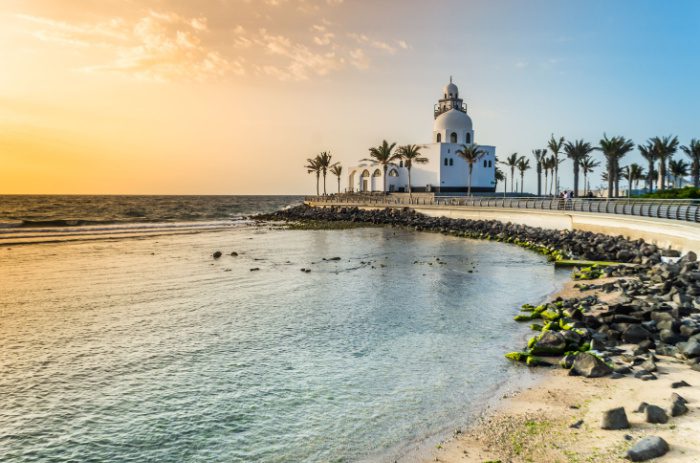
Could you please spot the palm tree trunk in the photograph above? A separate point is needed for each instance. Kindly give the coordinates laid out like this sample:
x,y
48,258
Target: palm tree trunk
x,y
629,188
385,169
585,183
410,192
469,187
522,182
650,178
555,185
512,178
539,178
317,179
338,184
576,179
662,175
546,181
324,184
695,172
611,178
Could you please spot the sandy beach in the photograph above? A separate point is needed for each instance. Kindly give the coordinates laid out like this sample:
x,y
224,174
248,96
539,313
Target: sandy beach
x,y
535,424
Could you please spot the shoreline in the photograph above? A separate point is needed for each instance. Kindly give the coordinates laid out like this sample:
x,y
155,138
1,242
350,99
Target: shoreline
x,y
534,423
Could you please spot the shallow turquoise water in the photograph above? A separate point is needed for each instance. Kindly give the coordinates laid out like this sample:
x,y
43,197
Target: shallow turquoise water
x,y
149,350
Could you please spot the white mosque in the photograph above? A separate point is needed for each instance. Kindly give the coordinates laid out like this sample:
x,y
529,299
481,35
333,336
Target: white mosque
x,y
445,171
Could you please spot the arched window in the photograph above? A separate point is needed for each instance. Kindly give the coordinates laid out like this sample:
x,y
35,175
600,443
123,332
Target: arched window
x,y
377,173
447,162
468,138
453,137
365,173
486,163
439,138
490,164
452,162
393,173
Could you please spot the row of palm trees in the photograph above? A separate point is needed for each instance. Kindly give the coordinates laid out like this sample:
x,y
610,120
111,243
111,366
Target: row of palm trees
x,y
656,151
321,165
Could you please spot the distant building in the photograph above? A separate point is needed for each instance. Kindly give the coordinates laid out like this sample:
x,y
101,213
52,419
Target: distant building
x,y
445,171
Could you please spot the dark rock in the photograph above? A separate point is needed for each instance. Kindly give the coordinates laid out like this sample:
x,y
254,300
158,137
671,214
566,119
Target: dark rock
x,y
635,334
615,418
590,366
216,254
642,407
655,414
550,343
647,448
678,384
678,406
234,254
691,349
254,269
576,425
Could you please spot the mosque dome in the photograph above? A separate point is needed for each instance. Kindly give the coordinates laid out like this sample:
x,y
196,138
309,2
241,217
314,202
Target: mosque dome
x,y
453,120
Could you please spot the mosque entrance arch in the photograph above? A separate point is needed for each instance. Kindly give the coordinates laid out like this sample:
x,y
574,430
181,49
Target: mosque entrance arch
x,y
376,180
364,181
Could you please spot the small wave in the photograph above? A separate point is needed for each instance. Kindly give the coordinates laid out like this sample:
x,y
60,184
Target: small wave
x,y
63,223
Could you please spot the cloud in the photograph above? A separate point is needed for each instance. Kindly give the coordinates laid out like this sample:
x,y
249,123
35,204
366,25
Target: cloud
x,y
158,46
166,45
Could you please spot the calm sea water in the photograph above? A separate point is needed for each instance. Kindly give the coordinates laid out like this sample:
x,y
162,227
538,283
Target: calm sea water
x,y
145,349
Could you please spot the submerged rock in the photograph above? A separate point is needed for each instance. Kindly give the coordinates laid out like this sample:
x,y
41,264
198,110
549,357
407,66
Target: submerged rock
x,y
647,448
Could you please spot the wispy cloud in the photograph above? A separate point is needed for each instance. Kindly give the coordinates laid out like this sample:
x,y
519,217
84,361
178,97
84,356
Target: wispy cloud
x,y
159,45
165,45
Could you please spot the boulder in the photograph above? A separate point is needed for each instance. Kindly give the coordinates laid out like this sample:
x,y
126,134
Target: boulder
x,y
678,406
655,414
647,448
590,366
635,334
691,349
216,254
615,418
549,343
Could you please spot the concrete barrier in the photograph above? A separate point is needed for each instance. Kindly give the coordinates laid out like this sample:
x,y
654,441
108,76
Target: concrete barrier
x,y
684,236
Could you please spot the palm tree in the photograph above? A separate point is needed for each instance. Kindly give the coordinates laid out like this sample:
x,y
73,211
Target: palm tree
x,y
500,177
633,173
547,165
577,152
523,165
614,149
555,145
587,166
410,154
312,166
540,156
472,154
512,162
383,155
693,152
648,153
324,162
678,169
337,170
664,148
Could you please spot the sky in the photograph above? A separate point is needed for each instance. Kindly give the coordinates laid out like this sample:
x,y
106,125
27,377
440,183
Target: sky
x,y
231,96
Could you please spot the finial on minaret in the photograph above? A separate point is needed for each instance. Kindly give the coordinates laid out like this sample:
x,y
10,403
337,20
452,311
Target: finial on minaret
x,y
450,79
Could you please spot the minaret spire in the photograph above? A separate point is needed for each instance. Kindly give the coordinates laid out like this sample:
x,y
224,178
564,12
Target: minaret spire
x,y
450,79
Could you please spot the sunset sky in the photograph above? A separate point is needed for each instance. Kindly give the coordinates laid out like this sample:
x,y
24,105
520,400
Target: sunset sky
x,y
231,96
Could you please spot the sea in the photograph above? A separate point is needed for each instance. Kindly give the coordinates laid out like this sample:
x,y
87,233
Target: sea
x,y
124,340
